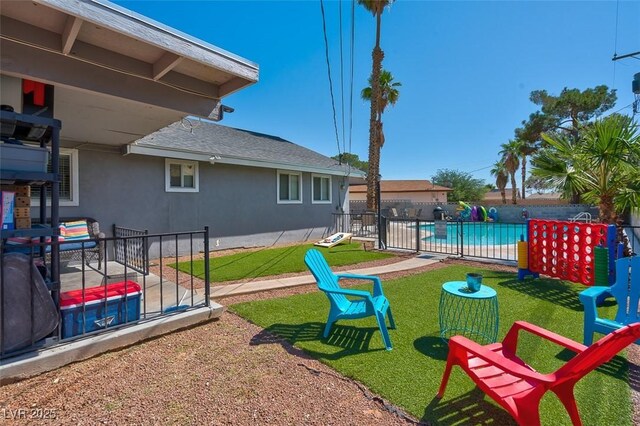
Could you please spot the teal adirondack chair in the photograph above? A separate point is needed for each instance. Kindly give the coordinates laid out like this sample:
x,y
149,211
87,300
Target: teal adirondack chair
x,y
626,291
363,305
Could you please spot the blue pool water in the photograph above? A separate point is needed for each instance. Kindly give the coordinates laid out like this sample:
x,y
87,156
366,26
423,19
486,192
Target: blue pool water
x,y
479,233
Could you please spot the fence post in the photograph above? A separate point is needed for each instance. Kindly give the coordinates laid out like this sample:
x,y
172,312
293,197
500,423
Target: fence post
x,y
417,235
385,226
461,234
206,267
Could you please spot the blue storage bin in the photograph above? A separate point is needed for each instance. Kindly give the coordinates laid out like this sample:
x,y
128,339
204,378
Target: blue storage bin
x,y
122,306
23,158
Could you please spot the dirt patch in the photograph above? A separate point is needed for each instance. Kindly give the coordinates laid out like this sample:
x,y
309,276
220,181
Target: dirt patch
x,y
216,373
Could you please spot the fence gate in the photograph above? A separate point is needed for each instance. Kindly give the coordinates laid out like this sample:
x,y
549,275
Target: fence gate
x,y
131,248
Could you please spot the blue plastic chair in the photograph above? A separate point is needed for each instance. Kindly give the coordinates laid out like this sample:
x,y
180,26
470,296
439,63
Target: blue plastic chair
x,y
365,305
626,291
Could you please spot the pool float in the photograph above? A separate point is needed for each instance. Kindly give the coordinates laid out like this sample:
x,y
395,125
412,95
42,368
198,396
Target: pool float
x,y
474,214
465,214
483,214
493,214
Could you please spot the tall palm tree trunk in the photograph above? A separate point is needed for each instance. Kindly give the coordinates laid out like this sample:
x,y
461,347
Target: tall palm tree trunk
x,y
504,195
514,189
374,138
607,210
524,174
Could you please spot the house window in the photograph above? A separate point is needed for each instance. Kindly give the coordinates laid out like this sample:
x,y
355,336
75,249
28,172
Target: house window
x,y
321,186
289,188
69,194
181,176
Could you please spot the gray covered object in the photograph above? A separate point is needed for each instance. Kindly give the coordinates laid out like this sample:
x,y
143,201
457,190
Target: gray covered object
x,y
21,284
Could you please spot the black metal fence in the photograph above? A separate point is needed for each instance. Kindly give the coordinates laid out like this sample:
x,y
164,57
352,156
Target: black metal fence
x,y
96,293
632,233
132,252
491,240
363,225
477,239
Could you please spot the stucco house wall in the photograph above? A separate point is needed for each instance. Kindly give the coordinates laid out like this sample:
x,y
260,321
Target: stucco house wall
x,y
238,203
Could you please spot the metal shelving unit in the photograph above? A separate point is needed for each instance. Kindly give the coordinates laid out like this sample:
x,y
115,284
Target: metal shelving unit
x,y
45,132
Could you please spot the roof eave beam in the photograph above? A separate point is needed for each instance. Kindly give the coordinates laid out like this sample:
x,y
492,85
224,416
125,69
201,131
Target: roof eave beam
x,y
18,60
70,33
233,86
165,64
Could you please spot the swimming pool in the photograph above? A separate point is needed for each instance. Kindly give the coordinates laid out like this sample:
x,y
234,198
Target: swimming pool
x,y
478,233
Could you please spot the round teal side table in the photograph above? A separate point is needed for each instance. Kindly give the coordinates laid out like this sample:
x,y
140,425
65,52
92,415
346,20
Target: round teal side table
x,y
473,315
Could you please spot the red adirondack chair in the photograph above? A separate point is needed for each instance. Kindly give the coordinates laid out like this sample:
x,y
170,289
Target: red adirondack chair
x,y
517,387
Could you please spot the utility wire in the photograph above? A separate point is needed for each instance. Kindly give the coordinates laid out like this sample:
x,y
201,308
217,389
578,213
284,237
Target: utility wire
x,y
326,52
344,148
353,37
615,45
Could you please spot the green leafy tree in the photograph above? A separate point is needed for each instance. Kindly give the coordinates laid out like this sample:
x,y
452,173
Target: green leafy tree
x,y
376,7
568,112
353,160
499,170
572,108
604,166
511,157
538,185
465,187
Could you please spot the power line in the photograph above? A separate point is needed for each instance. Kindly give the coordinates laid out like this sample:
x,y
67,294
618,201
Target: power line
x,y
341,77
353,37
326,52
615,45
482,168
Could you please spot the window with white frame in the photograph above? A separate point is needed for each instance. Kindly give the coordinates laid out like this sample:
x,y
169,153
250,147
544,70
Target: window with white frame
x,y
181,175
321,189
69,193
289,187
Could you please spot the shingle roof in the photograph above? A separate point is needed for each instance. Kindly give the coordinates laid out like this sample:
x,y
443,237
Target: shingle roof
x,y
238,146
402,186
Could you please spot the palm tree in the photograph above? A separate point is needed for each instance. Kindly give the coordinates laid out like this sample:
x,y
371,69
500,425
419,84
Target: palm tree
x,y
389,95
526,149
511,157
376,7
603,166
502,176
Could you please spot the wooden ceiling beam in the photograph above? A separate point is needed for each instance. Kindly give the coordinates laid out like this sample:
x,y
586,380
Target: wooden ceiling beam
x,y
70,33
165,64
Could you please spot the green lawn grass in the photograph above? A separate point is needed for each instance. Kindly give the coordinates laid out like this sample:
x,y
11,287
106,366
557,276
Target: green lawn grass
x,y
276,261
409,375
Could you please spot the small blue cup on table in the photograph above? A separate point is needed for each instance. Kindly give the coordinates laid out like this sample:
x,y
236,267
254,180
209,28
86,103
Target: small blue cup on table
x,y
474,281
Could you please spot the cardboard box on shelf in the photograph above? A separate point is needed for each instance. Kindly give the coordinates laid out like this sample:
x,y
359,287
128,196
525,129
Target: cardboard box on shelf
x,y
23,223
23,201
20,190
22,212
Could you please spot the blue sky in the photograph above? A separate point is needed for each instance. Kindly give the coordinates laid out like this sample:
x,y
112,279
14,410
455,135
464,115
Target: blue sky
x,y
466,69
